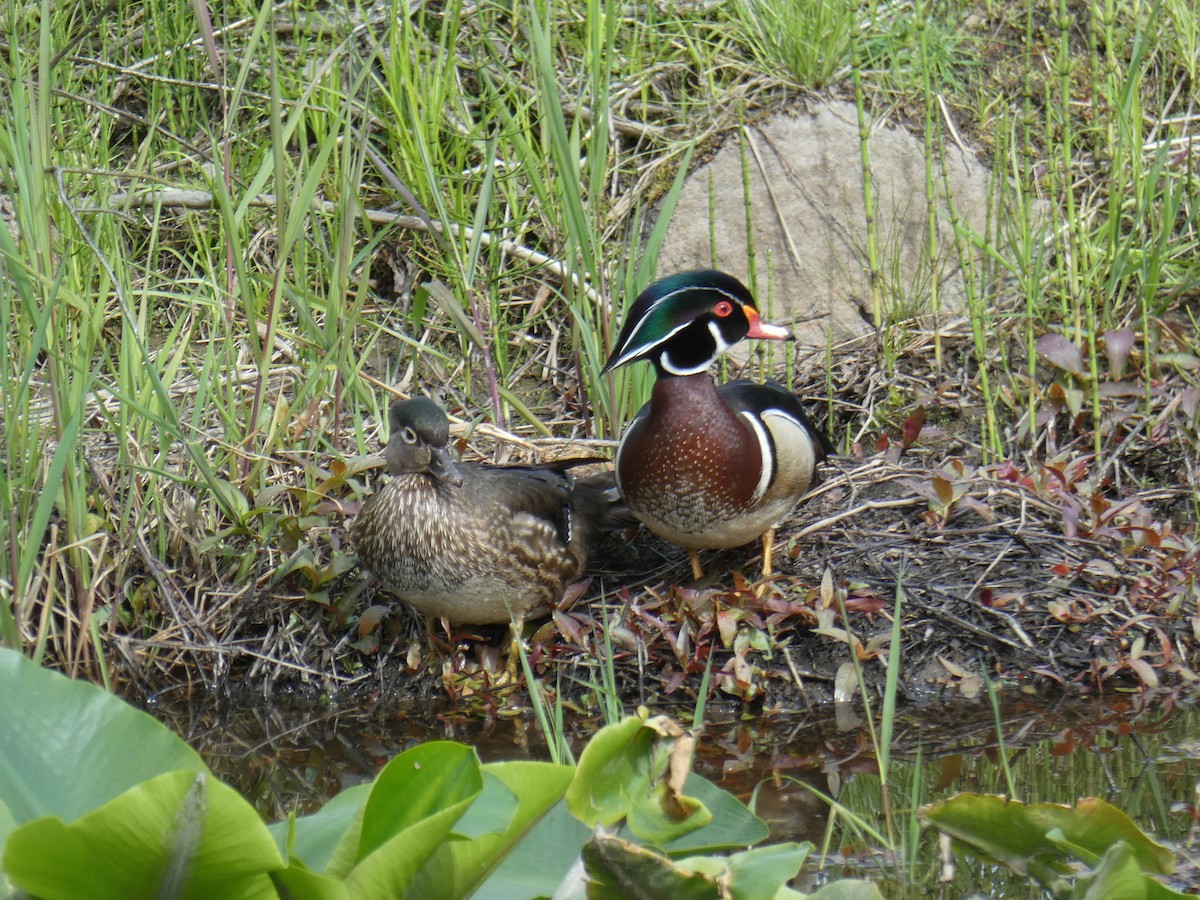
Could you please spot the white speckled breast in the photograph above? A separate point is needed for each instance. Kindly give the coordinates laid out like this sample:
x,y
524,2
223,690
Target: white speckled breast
x,y
458,554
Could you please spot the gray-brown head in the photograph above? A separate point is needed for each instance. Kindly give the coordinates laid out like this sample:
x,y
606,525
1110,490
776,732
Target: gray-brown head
x,y
417,445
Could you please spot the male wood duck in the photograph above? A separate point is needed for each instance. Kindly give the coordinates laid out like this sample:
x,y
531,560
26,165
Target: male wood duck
x,y
700,465
470,543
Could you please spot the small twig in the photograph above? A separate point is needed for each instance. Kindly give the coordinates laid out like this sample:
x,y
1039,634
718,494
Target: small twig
x,y
196,199
822,524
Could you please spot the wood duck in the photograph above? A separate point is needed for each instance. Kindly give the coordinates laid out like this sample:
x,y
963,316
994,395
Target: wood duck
x,y
700,465
470,543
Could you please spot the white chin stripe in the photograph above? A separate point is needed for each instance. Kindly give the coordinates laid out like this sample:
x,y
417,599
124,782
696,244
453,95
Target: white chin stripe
x,y
664,360
722,345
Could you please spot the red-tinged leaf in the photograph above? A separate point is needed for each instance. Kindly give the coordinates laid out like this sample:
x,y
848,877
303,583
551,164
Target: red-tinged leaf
x,y
1117,345
1045,412
882,443
950,769
1008,598
568,625
1062,570
1101,567
574,591
727,622
1188,401
342,507
1007,471
741,585
1065,746
781,608
674,682
1114,389
1144,671
921,487
1165,643
1070,521
911,429
1050,674
370,619
1060,352
1061,611
984,511
867,603
944,490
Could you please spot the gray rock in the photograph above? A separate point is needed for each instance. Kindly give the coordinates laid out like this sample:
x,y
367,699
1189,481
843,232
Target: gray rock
x,y
808,220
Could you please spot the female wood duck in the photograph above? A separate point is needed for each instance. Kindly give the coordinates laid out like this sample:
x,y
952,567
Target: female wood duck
x,y
700,465
469,543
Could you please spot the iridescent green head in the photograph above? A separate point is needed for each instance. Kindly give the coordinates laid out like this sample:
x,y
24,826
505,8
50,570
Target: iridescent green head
x,y
684,322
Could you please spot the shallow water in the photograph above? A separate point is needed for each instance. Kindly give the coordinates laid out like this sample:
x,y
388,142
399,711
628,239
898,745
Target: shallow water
x,y
1141,753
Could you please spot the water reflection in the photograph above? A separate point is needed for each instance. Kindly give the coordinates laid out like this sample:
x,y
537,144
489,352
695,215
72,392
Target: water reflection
x,y
1135,751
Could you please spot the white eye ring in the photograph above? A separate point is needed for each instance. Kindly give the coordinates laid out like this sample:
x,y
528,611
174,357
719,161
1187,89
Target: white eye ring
x,y
409,436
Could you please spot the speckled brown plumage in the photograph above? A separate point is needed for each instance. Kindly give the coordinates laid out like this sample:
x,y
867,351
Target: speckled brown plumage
x,y
469,543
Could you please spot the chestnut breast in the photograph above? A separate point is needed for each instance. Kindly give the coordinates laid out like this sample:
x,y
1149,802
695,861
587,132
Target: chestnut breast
x,y
688,463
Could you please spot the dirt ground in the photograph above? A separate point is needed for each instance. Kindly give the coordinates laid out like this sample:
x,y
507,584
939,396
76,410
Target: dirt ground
x,y
1043,567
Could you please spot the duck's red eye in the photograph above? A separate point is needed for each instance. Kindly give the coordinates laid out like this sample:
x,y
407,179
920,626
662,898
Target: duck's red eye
x,y
722,309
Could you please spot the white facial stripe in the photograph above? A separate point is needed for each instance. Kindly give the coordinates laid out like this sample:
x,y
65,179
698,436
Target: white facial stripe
x,y
638,349
715,331
633,341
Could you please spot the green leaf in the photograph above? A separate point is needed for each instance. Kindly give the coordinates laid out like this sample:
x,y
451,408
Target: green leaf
x,y
53,730
848,889
614,767
518,795
1116,875
7,826
415,802
1094,826
998,828
297,883
417,784
761,872
537,865
752,874
317,835
635,770
492,810
733,825
182,834
1042,838
1116,878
